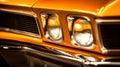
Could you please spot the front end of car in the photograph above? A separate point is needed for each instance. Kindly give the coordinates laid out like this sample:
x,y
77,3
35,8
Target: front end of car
x,y
59,33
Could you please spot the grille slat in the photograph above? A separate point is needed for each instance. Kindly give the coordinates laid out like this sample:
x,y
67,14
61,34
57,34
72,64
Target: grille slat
x,y
110,35
18,22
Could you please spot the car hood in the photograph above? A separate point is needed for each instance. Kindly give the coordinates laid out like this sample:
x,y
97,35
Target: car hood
x,y
95,7
25,3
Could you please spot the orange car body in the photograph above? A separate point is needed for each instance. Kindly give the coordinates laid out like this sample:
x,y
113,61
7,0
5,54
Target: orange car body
x,y
93,9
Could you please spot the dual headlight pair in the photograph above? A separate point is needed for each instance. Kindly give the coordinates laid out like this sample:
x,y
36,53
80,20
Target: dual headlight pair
x,y
79,27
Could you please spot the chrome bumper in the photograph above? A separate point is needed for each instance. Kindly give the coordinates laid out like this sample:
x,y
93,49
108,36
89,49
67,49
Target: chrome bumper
x,y
73,61
37,55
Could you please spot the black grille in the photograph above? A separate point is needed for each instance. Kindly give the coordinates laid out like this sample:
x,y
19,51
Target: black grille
x,y
18,22
110,35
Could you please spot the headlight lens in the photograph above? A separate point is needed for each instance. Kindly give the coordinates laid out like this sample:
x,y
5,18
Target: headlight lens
x,y
81,32
52,26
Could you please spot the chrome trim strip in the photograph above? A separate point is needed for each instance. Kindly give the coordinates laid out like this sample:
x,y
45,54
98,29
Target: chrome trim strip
x,y
66,59
60,52
100,21
102,63
7,47
23,13
19,32
112,20
17,12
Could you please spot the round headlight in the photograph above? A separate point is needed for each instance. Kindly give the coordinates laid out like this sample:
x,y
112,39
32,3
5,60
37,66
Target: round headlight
x,y
53,28
82,33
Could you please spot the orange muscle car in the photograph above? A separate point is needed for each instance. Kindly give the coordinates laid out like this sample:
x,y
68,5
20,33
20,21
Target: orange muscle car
x,y
59,33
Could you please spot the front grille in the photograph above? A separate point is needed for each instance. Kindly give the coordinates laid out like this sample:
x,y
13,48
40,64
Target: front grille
x,y
19,22
110,34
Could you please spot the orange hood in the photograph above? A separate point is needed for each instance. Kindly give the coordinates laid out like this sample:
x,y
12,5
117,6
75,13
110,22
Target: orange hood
x,y
95,7
24,3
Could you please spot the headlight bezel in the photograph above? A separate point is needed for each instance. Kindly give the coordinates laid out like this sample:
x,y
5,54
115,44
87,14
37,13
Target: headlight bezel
x,y
46,20
71,21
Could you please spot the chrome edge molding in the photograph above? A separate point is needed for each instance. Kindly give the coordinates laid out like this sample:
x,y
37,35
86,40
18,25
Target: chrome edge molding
x,y
112,20
19,32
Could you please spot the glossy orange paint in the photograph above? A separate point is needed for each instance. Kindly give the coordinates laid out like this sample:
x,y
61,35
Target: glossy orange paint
x,y
25,3
18,37
86,6
111,9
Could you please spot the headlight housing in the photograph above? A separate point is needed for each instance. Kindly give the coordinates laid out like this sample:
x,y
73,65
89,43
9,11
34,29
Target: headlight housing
x,y
52,26
81,31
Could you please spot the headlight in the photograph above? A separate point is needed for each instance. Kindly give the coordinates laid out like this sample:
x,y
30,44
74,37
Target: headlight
x,y
52,26
81,31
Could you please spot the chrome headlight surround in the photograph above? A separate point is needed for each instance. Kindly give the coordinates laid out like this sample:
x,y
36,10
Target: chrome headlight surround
x,y
52,27
80,31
